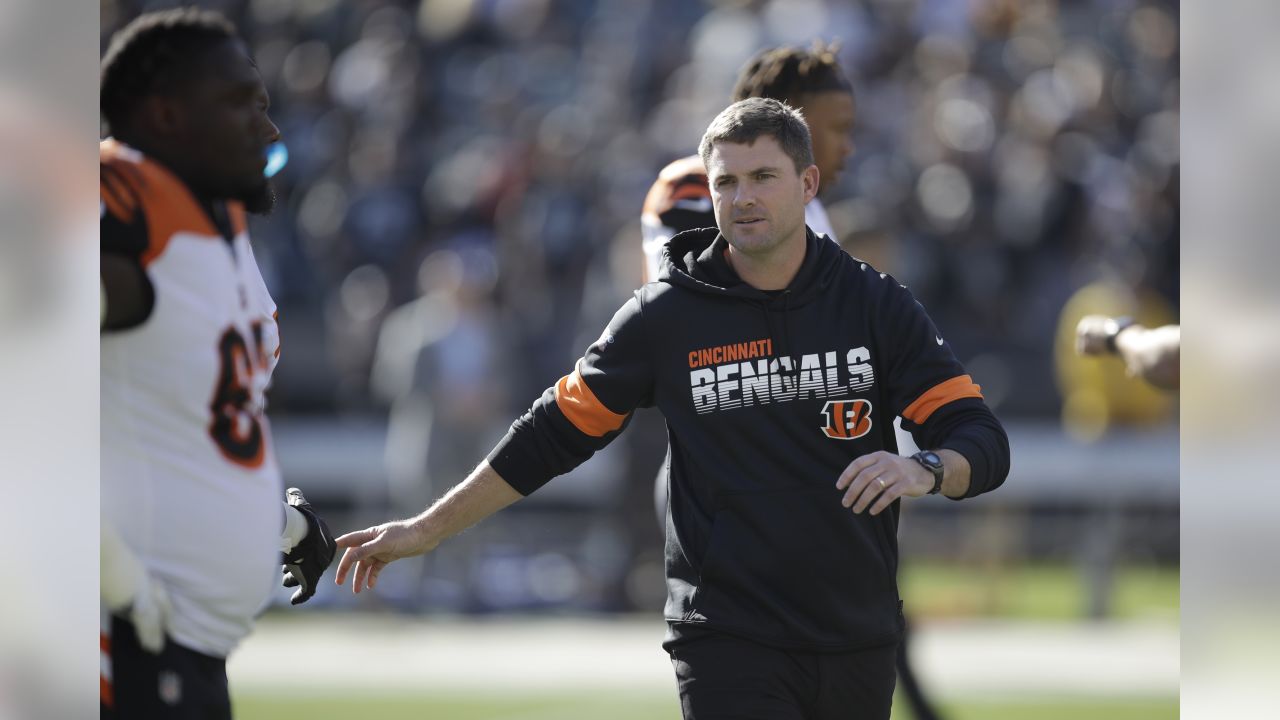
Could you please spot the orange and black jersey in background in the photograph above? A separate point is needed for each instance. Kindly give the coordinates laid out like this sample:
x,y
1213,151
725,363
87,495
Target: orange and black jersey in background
x,y
680,199
767,398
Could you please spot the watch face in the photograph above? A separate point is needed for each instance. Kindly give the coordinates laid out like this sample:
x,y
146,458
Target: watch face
x,y
931,458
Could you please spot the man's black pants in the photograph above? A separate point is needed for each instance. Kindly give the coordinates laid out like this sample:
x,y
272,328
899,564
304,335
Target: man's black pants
x,y
177,684
722,677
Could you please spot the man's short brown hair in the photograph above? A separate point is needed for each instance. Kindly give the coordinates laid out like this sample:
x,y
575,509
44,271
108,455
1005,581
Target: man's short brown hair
x,y
746,120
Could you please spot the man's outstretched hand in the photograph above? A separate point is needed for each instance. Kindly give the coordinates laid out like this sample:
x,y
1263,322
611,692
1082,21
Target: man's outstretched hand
x,y
372,549
368,551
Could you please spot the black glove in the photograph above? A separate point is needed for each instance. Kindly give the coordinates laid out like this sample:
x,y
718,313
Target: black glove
x,y
304,565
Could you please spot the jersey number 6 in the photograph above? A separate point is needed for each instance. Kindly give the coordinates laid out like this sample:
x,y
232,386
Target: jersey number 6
x,y
235,427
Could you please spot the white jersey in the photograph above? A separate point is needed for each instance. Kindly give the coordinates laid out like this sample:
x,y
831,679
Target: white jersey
x,y
815,216
189,476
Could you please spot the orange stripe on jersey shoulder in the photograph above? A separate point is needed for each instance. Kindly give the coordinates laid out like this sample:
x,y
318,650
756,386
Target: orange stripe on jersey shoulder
x,y
939,395
690,190
169,206
583,409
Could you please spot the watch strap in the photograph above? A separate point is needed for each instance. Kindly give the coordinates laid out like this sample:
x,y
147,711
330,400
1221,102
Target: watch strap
x,y
933,463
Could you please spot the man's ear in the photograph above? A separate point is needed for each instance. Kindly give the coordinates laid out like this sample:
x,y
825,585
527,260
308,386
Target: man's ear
x,y
810,178
160,116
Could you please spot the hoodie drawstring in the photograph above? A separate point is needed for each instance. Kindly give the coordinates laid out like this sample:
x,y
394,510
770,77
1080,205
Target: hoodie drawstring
x,y
786,327
783,348
768,324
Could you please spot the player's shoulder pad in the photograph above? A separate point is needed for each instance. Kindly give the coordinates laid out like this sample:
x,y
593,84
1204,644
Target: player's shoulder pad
x,y
681,182
134,186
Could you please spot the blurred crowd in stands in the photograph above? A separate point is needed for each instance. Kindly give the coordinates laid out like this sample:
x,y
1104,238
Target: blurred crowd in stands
x,y
487,160
460,213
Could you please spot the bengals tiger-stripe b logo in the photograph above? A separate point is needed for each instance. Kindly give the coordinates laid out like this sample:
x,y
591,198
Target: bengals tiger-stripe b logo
x,y
847,419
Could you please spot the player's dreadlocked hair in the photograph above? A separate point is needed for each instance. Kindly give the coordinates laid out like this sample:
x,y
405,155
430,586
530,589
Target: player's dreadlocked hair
x,y
153,54
789,73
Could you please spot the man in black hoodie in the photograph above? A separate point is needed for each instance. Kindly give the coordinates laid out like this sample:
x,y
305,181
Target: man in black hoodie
x,y
779,363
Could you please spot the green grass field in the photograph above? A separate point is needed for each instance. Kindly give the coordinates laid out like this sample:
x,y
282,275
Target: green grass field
x,y
932,590
654,707
1033,592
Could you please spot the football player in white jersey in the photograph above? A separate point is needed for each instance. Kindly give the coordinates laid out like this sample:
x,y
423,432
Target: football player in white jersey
x,y
811,81
193,526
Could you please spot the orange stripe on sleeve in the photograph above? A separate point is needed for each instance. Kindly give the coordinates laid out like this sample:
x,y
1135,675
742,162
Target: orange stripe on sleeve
x,y
583,409
939,395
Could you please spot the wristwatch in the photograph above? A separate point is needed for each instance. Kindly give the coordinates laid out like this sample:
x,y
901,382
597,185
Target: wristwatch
x,y
1114,327
933,464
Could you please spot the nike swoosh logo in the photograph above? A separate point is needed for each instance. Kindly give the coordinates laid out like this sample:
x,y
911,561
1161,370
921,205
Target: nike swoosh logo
x,y
938,339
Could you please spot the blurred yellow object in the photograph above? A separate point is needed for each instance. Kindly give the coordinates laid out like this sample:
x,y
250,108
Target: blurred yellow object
x,y
1096,392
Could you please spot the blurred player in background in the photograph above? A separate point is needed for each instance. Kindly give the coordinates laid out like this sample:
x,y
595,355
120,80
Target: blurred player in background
x,y
781,540
192,524
812,82
1152,354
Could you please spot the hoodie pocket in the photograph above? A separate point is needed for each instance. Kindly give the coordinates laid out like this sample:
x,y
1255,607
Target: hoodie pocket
x,y
795,568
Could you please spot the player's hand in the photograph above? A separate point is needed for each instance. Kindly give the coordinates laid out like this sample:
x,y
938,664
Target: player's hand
x,y
306,562
131,592
877,479
149,614
1091,335
148,609
369,551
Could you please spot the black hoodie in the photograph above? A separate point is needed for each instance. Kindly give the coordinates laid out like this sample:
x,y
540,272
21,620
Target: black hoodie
x,y
768,397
